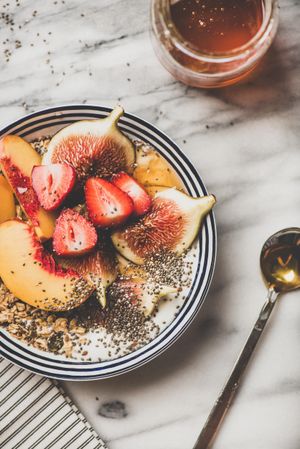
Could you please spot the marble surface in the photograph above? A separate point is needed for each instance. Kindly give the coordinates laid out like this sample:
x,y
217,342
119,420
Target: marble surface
x,y
245,142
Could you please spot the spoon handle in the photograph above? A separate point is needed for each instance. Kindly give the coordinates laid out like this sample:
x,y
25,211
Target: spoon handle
x,y
226,397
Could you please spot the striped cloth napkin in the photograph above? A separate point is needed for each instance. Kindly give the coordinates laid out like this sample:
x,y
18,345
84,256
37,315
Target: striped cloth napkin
x,y
35,413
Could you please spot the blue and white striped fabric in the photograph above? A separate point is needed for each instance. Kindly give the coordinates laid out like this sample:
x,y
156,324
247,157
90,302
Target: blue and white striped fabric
x,y
35,413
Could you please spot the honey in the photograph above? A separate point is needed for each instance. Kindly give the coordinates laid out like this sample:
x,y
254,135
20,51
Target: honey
x,y
281,265
217,26
212,43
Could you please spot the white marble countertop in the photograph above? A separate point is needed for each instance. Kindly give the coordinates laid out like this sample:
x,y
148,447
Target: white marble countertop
x,y
245,142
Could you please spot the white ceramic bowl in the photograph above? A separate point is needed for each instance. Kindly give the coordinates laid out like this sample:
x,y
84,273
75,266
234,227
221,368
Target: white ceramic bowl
x,y
49,121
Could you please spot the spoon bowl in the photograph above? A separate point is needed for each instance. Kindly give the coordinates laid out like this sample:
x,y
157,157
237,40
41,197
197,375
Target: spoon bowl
x,y
280,260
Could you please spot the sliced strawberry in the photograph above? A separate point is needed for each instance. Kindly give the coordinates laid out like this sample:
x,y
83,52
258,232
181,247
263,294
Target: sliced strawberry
x,y
52,183
139,196
74,235
107,204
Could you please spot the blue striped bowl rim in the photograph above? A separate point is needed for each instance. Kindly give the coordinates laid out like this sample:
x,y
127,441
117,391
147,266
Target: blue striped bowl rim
x,y
46,122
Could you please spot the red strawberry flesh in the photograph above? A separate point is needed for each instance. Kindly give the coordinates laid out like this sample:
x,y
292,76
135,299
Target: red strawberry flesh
x,y
52,183
139,196
74,235
107,205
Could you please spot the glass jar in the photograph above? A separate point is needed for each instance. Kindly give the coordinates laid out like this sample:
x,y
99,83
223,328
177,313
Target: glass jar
x,y
209,70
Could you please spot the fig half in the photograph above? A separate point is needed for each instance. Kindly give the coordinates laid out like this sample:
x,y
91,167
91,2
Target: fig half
x,y
145,295
171,225
93,147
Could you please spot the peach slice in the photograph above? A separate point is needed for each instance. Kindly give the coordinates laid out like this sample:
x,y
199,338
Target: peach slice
x,y
17,158
153,190
153,169
31,274
7,203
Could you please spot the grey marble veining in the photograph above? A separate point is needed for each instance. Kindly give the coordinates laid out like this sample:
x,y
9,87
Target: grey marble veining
x,y
245,142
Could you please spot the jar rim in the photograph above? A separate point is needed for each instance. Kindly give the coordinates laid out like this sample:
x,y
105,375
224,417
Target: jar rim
x,y
217,57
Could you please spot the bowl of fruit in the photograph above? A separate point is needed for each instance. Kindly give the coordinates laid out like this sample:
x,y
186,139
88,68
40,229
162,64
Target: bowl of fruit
x,y
107,242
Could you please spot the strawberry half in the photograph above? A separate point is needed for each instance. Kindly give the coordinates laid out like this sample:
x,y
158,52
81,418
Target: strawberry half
x,y
107,204
74,235
52,183
141,199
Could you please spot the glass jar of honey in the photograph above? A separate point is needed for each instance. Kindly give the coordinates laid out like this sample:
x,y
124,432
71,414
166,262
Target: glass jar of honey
x,y
212,43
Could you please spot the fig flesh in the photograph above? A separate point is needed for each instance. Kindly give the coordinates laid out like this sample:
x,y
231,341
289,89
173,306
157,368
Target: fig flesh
x,y
172,224
93,147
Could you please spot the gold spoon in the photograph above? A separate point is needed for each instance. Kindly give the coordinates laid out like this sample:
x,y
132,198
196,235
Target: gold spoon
x,y
280,266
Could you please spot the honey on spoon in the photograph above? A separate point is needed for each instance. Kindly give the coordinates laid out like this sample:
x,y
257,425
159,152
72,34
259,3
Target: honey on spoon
x,y
280,260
